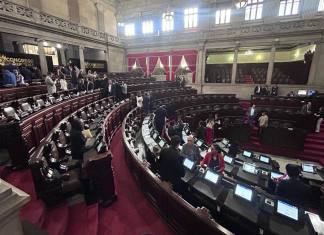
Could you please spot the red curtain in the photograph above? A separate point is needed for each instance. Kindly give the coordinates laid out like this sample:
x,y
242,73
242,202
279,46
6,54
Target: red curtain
x,y
152,63
131,62
165,62
176,60
191,61
142,63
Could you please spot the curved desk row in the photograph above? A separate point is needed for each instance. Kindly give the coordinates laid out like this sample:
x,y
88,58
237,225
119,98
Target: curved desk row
x,y
22,138
10,94
253,215
182,216
53,189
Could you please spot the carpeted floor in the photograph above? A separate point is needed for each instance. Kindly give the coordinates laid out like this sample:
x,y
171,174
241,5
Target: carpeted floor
x,y
132,214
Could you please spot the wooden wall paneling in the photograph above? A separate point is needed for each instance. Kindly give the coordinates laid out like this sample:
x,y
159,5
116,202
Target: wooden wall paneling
x,y
28,137
39,131
82,102
66,110
74,106
49,122
58,115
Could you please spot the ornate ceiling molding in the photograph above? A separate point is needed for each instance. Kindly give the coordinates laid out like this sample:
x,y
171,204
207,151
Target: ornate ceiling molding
x,y
14,13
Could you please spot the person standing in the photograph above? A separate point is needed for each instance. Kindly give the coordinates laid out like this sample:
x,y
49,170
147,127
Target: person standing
x,y
63,84
263,124
251,115
201,131
210,131
124,89
159,118
146,103
50,83
78,140
320,116
139,100
171,165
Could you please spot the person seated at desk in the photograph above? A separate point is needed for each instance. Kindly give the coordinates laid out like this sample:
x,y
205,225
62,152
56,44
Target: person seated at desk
x,y
293,188
214,160
233,149
171,168
190,150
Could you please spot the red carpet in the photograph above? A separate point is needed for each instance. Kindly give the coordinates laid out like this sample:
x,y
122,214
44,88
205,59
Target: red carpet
x,y
132,214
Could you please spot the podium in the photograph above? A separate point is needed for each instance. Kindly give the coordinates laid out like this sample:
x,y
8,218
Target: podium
x,y
12,200
101,175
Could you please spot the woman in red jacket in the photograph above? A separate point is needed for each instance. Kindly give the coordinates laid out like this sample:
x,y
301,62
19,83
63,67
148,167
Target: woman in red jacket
x,y
214,160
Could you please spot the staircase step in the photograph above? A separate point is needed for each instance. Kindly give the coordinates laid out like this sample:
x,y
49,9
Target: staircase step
x,y
314,141
311,146
313,158
57,220
83,219
315,153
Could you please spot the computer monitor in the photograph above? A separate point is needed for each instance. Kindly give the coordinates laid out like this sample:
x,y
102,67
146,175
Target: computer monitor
x,y
250,168
309,168
275,175
188,164
287,210
302,93
264,159
211,177
161,143
228,159
247,154
311,92
199,143
243,192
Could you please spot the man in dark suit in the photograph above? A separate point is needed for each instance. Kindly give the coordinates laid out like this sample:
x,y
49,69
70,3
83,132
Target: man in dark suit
x,y
159,119
294,189
171,164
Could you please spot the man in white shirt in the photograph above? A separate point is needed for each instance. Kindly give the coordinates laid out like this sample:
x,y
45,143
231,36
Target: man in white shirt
x,y
251,114
50,83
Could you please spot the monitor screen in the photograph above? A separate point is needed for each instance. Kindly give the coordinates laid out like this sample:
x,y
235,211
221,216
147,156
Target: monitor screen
x,y
228,159
188,164
249,168
264,159
311,92
199,143
308,168
287,210
302,92
247,154
243,192
212,177
275,175
161,143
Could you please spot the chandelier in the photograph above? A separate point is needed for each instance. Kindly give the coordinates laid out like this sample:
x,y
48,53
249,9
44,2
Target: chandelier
x,y
240,3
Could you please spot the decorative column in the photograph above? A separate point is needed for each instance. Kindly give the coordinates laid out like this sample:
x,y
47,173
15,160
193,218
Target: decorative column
x,y
42,57
201,67
315,63
81,55
271,64
62,53
107,58
234,68
170,67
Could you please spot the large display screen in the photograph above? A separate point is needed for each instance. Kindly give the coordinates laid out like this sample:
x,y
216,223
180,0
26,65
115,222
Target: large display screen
x,y
287,210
